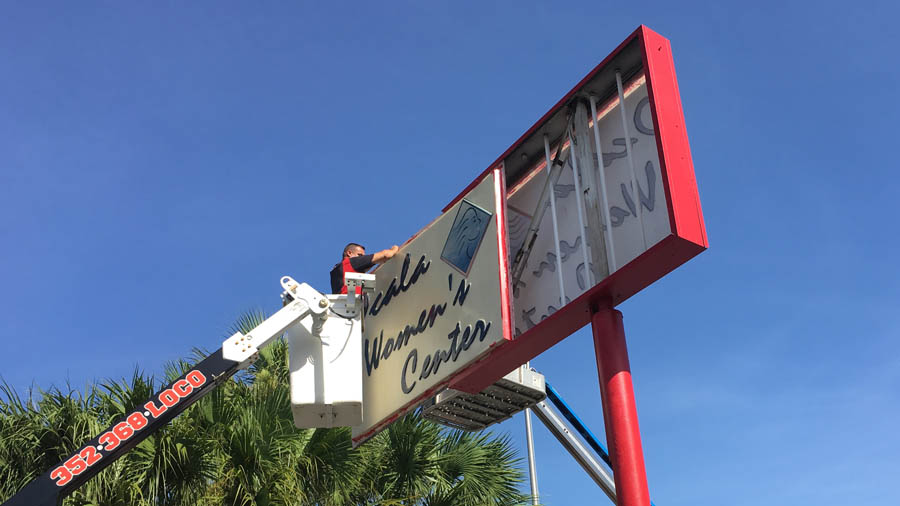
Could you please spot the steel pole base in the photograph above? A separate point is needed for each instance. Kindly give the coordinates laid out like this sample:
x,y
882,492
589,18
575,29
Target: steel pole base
x,y
619,412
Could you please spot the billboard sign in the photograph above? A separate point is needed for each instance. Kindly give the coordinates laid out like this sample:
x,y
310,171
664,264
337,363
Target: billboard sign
x,y
439,305
586,253
624,212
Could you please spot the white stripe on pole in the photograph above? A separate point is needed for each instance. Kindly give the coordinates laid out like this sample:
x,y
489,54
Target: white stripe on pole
x,y
562,288
610,251
634,185
579,203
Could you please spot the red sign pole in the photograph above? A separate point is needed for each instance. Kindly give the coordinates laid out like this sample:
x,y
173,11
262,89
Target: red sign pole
x,y
619,411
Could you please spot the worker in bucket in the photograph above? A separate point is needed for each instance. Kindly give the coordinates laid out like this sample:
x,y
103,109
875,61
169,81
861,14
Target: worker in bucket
x,y
355,259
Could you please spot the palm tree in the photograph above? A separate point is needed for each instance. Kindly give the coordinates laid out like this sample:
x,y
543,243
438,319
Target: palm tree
x,y
169,467
417,462
238,446
36,431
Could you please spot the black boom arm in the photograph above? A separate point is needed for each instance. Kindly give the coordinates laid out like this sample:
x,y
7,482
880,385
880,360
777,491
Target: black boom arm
x,y
125,433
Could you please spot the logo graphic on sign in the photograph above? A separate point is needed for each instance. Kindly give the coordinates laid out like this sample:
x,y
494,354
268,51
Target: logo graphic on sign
x,y
465,236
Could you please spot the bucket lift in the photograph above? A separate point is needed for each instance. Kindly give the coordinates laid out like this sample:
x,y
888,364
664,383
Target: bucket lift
x,y
324,339
332,352
319,343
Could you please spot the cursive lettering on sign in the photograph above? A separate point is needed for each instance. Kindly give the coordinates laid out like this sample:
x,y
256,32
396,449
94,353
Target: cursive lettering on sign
x,y
638,118
460,340
617,214
399,284
461,292
409,339
381,350
414,356
609,158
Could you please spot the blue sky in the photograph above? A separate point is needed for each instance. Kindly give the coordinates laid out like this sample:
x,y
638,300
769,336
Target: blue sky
x,y
162,166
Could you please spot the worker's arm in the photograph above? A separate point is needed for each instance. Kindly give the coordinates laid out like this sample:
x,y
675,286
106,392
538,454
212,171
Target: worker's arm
x,y
363,263
385,254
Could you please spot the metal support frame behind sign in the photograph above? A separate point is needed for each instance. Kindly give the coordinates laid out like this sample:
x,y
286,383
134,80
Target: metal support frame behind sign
x,y
659,150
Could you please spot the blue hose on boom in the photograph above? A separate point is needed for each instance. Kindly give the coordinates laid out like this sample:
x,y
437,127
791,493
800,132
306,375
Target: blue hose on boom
x,y
586,433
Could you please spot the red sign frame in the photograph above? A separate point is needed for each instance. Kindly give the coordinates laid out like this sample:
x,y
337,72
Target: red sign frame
x,y
688,232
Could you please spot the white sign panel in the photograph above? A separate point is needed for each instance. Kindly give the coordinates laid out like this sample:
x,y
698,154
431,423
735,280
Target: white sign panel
x,y
436,307
634,230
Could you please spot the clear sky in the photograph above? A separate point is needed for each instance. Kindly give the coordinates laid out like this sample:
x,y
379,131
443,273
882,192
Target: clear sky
x,y
161,166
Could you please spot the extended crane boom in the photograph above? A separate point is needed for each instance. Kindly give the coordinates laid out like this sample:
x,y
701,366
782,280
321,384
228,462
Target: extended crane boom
x,y
237,352
125,433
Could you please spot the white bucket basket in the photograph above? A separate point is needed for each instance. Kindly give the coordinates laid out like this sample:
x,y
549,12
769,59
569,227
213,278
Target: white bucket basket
x,y
326,370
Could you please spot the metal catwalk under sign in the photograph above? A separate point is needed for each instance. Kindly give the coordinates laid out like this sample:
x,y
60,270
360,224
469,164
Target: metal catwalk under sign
x,y
521,389
514,392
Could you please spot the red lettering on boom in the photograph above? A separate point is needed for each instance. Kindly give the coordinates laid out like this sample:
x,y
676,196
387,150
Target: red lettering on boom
x,y
195,378
155,411
182,388
169,398
89,454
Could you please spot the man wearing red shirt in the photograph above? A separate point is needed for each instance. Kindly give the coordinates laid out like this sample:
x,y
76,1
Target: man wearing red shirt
x,y
356,260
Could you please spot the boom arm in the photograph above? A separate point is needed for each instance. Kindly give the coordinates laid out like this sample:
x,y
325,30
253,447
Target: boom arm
x,y
236,353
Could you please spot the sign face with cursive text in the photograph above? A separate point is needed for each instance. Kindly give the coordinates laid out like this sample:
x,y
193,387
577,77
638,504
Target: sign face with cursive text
x,y
440,304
